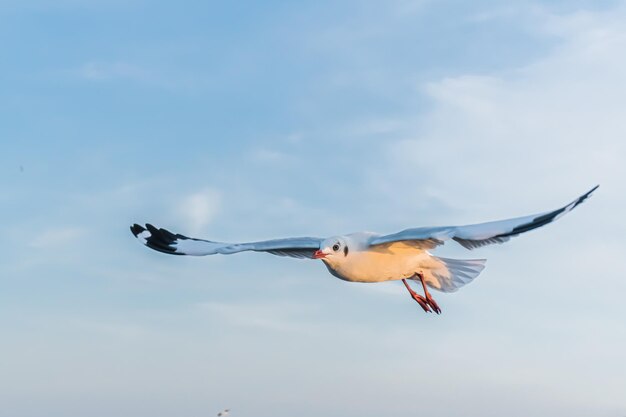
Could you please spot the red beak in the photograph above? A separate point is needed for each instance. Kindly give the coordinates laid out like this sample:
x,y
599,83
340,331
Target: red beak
x,y
319,254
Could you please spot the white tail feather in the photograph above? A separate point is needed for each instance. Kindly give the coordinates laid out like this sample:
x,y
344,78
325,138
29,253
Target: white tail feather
x,y
454,273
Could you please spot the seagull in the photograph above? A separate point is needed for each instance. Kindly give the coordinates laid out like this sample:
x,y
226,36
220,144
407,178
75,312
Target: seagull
x,y
223,413
372,257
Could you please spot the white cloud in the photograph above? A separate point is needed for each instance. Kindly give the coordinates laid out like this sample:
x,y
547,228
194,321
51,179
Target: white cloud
x,y
295,137
110,70
161,77
198,209
554,125
270,156
57,237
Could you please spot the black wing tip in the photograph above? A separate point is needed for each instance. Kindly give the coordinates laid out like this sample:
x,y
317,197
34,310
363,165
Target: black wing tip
x,y
586,195
548,217
151,228
136,229
161,240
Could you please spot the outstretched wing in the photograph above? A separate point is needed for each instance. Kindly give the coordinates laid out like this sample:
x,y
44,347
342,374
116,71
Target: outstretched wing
x,y
163,240
477,235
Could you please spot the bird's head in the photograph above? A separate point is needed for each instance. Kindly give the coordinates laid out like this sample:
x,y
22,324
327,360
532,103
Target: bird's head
x,y
333,250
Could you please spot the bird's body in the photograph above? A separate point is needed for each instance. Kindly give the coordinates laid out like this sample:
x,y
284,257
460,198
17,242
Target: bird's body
x,y
364,263
389,262
372,257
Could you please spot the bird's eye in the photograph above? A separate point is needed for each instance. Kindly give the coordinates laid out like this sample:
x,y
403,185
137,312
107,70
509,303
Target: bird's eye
x,y
336,247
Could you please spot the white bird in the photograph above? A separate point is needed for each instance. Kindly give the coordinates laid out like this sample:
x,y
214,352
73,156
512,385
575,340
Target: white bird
x,y
223,413
371,257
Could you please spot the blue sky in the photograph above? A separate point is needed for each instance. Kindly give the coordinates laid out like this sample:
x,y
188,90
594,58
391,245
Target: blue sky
x,y
246,121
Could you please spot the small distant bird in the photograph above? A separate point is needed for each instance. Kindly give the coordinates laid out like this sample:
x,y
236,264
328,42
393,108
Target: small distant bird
x,y
371,257
223,413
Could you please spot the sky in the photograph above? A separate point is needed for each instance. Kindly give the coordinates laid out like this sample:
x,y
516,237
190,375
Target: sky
x,y
239,121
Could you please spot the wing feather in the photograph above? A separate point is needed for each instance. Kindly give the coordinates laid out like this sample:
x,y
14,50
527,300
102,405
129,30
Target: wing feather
x,y
163,240
477,235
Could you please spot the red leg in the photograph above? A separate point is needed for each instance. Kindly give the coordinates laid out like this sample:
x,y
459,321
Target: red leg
x,y
429,299
423,302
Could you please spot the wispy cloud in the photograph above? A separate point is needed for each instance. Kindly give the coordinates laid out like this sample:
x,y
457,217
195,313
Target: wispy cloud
x,y
270,156
165,77
57,237
199,208
100,71
488,126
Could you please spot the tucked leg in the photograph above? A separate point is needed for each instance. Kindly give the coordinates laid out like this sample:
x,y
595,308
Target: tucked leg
x,y
423,302
429,298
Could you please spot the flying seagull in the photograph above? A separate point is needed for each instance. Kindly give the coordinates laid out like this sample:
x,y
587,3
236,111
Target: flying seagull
x,y
372,257
223,413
